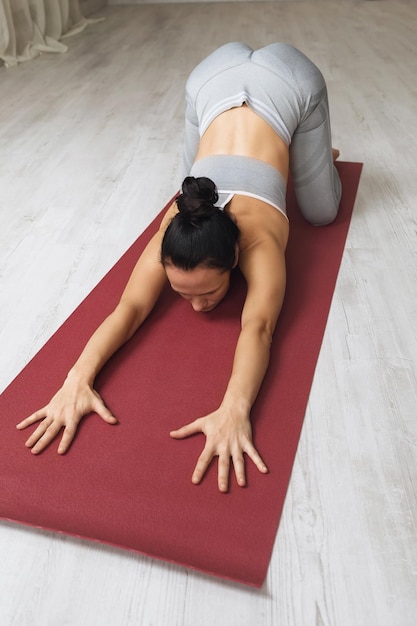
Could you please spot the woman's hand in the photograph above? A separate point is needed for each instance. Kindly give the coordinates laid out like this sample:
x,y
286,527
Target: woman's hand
x,y
64,411
227,436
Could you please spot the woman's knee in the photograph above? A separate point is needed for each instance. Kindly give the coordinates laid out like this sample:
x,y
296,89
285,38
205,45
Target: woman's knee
x,y
319,204
321,216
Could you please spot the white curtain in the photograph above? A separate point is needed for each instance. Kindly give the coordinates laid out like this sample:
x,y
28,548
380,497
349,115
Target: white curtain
x,y
29,27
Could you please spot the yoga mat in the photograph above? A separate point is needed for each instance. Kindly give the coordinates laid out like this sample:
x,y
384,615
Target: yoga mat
x,y
130,485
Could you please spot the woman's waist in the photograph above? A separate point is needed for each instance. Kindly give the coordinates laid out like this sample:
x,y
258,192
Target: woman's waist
x,y
241,132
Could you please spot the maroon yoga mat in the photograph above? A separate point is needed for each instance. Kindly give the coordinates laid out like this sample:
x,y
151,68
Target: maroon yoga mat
x,y
130,485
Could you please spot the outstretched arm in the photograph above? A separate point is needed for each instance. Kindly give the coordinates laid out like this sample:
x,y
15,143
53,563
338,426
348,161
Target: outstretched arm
x,y
77,396
228,429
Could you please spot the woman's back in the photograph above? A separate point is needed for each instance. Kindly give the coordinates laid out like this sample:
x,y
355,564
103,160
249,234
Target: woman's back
x,y
240,131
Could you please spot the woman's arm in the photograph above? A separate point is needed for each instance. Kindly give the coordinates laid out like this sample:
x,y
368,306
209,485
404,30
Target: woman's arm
x,y
228,430
264,270
77,396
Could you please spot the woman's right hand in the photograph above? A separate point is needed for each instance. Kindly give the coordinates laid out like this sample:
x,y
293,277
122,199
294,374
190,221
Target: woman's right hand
x,y
64,411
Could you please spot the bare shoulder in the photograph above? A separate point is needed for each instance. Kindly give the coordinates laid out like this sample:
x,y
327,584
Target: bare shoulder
x,y
261,225
264,236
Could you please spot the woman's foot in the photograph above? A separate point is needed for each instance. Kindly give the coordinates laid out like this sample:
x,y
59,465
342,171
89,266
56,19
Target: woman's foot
x,y
335,153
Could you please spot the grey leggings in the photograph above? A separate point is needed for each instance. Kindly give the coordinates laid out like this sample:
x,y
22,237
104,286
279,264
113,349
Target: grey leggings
x,y
288,91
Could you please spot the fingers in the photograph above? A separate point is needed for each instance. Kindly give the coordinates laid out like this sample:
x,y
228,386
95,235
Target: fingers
x,y
35,417
67,437
100,408
225,458
239,467
223,473
42,436
239,464
224,467
63,412
187,430
226,451
203,462
253,454
107,417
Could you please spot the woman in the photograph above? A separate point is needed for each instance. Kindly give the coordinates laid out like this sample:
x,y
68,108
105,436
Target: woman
x,y
250,117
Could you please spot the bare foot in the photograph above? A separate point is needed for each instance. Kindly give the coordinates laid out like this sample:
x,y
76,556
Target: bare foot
x,y
335,153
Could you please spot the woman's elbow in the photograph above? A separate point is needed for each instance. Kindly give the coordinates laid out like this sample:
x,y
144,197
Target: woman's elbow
x,y
262,329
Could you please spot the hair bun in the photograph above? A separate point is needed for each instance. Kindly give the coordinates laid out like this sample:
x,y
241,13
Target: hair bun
x,y
201,188
198,198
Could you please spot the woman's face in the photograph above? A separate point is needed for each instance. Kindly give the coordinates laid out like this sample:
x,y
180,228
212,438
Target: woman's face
x,y
203,287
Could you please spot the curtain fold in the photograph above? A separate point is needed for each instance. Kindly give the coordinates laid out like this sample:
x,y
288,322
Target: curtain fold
x,y
30,27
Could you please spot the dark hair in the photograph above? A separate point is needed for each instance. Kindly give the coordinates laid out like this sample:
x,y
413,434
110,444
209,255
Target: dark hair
x,y
200,233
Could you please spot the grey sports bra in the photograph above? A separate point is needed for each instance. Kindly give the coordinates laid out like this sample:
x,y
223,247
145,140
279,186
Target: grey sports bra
x,y
241,175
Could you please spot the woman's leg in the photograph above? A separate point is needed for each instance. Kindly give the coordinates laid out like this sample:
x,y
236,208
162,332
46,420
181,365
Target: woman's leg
x,y
299,93
316,181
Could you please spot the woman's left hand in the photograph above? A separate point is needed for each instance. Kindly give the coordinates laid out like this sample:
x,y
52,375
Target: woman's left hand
x,y
227,436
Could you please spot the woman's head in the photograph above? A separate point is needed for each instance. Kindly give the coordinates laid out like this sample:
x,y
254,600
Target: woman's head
x,y
199,248
200,235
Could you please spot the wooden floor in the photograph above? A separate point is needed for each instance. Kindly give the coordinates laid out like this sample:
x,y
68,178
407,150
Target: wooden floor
x,y
91,145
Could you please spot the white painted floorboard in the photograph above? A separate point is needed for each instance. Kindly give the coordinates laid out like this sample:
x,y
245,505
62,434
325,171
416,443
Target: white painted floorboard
x,y
90,147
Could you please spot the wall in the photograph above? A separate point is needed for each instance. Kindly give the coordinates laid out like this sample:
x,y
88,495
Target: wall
x,y
88,7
